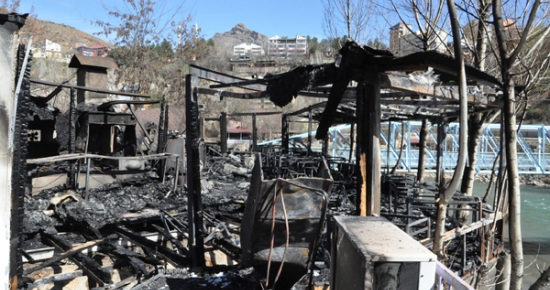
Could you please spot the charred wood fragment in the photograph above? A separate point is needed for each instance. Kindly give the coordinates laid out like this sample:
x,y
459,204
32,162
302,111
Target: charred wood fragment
x,y
73,251
182,250
90,267
172,257
285,87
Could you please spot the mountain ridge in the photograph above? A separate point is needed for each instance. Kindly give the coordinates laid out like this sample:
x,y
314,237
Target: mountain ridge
x,y
225,41
62,34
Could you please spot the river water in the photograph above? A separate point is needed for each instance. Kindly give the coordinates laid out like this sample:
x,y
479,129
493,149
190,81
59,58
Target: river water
x,y
535,228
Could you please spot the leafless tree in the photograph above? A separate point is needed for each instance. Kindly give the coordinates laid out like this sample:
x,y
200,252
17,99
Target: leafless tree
x,y
7,6
138,27
348,19
429,17
449,192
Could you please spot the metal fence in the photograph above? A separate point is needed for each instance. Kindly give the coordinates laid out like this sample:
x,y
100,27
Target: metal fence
x,y
533,146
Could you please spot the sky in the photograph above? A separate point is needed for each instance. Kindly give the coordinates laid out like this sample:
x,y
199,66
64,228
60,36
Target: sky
x,y
268,17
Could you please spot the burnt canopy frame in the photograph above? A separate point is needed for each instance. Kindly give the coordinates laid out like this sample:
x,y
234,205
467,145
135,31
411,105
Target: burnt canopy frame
x,y
391,97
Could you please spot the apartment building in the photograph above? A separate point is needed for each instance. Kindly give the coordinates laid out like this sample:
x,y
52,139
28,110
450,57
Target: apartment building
x,y
285,47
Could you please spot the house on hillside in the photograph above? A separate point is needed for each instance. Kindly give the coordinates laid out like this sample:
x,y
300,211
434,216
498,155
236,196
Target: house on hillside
x,y
404,42
248,49
94,50
52,49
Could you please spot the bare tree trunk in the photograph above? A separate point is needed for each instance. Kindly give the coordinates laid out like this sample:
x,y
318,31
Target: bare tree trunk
x,y
514,191
507,61
503,272
474,128
422,151
459,170
481,43
348,20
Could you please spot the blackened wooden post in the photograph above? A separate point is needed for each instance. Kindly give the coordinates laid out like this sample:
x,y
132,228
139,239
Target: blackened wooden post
x,y
309,126
161,129
223,132
254,134
194,205
351,141
325,146
368,147
72,135
284,135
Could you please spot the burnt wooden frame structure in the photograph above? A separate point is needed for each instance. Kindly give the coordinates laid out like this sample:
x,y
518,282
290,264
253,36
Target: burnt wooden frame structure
x,y
384,92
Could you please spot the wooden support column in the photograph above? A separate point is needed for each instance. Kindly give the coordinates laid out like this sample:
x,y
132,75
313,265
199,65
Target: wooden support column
x,y
194,205
223,132
254,134
325,146
368,147
351,141
309,126
284,135
72,136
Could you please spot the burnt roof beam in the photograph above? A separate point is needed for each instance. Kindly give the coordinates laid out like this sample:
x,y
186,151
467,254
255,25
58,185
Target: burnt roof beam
x,y
213,76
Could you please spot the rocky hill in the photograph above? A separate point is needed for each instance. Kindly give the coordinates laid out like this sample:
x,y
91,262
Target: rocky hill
x,y
224,42
62,34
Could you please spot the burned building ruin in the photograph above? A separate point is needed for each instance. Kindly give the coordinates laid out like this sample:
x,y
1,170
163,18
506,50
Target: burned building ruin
x,y
102,199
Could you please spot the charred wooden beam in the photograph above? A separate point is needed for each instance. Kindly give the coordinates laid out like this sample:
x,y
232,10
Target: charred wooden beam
x,y
223,132
73,251
238,84
171,238
210,75
227,94
353,56
285,87
196,244
284,134
167,254
55,278
96,90
90,267
255,113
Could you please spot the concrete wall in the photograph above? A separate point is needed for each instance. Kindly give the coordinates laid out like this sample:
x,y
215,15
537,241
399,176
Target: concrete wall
x,y
8,47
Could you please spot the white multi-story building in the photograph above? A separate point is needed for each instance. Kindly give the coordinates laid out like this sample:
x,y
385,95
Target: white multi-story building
x,y
404,42
52,46
248,49
284,46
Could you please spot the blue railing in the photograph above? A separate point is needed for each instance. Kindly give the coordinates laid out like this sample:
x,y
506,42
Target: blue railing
x,y
533,146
